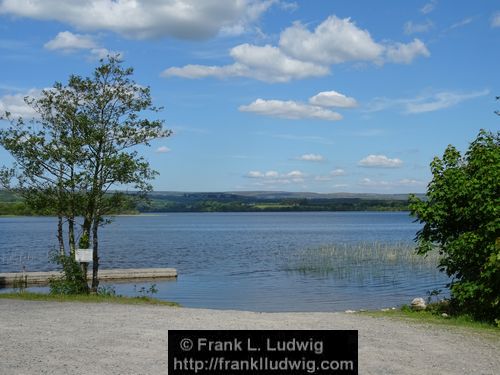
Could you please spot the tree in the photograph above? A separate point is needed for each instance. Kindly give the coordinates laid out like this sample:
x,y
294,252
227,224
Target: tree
x,y
461,217
82,144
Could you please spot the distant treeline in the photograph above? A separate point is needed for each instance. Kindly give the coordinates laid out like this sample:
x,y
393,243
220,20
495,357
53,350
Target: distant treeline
x,y
224,202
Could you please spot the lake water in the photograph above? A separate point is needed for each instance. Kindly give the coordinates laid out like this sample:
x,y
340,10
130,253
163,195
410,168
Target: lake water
x,y
247,261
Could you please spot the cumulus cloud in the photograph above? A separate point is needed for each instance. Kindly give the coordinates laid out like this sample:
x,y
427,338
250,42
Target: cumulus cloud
x,y
413,28
185,19
380,161
163,150
251,14
425,103
311,157
405,53
275,178
289,110
69,42
265,63
333,41
303,53
495,20
296,110
333,99
16,106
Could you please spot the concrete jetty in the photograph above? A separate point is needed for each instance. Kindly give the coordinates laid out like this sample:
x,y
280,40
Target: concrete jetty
x,y
117,275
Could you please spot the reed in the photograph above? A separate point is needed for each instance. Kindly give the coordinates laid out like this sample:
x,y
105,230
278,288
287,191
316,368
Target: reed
x,y
359,260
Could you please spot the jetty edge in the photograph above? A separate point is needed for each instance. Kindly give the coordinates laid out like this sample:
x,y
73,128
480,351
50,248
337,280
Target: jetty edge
x,y
11,279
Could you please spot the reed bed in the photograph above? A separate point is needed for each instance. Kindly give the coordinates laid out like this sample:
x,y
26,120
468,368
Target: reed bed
x,y
360,260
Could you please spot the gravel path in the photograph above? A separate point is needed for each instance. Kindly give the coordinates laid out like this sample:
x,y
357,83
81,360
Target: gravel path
x,y
85,338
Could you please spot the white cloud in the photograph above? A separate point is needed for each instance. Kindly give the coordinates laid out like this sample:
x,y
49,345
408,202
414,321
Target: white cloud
x,y
302,53
69,42
413,28
462,23
290,110
163,150
333,41
380,161
185,19
295,174
265,63
390,184
406,53
252,13
425,103
274,178
290,6
429,7
495,20
337,172
311,157
16,105
441,100
333,99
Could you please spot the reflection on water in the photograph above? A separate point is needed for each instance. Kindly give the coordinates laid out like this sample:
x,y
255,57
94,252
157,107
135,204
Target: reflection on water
x,y
325,261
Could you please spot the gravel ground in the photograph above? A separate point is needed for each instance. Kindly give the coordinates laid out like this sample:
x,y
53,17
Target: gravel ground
x,y
85,338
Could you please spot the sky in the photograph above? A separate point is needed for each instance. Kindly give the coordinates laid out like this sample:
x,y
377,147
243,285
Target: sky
x,y
316,96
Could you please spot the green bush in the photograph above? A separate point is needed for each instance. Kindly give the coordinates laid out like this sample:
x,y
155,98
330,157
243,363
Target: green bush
x,y
461,218
72,281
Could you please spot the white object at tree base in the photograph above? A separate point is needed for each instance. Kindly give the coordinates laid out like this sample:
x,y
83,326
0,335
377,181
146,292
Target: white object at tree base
x,y
83,255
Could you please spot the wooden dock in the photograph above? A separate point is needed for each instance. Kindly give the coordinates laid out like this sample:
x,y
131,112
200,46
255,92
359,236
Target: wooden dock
x,y
116,275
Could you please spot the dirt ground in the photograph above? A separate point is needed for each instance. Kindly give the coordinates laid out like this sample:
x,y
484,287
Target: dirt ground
x,y
87,338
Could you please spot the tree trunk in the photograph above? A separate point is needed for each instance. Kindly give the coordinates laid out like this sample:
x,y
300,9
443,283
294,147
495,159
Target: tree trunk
x,y
71,235
60,236
95,254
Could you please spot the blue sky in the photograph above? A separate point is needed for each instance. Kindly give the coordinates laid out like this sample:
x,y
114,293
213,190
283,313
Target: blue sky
x,y
321,96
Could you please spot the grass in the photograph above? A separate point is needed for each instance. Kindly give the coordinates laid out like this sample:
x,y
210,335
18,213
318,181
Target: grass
x,y
359,260
91,298
429,317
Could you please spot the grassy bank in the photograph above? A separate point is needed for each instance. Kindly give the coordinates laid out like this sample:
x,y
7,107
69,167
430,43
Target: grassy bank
x,y
428,317
142,300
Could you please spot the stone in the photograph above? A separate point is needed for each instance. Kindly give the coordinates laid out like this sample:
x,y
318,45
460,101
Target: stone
x,y
418,304
350,311
444,315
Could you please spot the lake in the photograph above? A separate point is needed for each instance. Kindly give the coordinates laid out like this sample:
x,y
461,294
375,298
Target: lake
x,y
303,261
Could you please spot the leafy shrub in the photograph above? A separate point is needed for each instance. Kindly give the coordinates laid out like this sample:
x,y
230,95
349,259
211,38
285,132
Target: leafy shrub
x,y
72,281
461,218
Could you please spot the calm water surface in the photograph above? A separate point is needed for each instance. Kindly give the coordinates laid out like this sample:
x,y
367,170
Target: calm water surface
x,y
240,260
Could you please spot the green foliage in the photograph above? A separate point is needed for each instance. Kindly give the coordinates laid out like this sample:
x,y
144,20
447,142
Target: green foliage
x,y
146,293
73,280
106,291
461,218
79,145
87,298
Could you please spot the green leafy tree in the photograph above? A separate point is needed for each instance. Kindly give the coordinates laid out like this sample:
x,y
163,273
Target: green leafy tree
x,y
81,145
461,218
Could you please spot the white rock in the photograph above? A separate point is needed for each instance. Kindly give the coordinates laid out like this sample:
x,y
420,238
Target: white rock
x,y
418,304
350,311
444,315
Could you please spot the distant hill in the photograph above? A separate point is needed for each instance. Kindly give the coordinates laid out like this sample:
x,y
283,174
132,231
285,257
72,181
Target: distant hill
x,y
241,201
